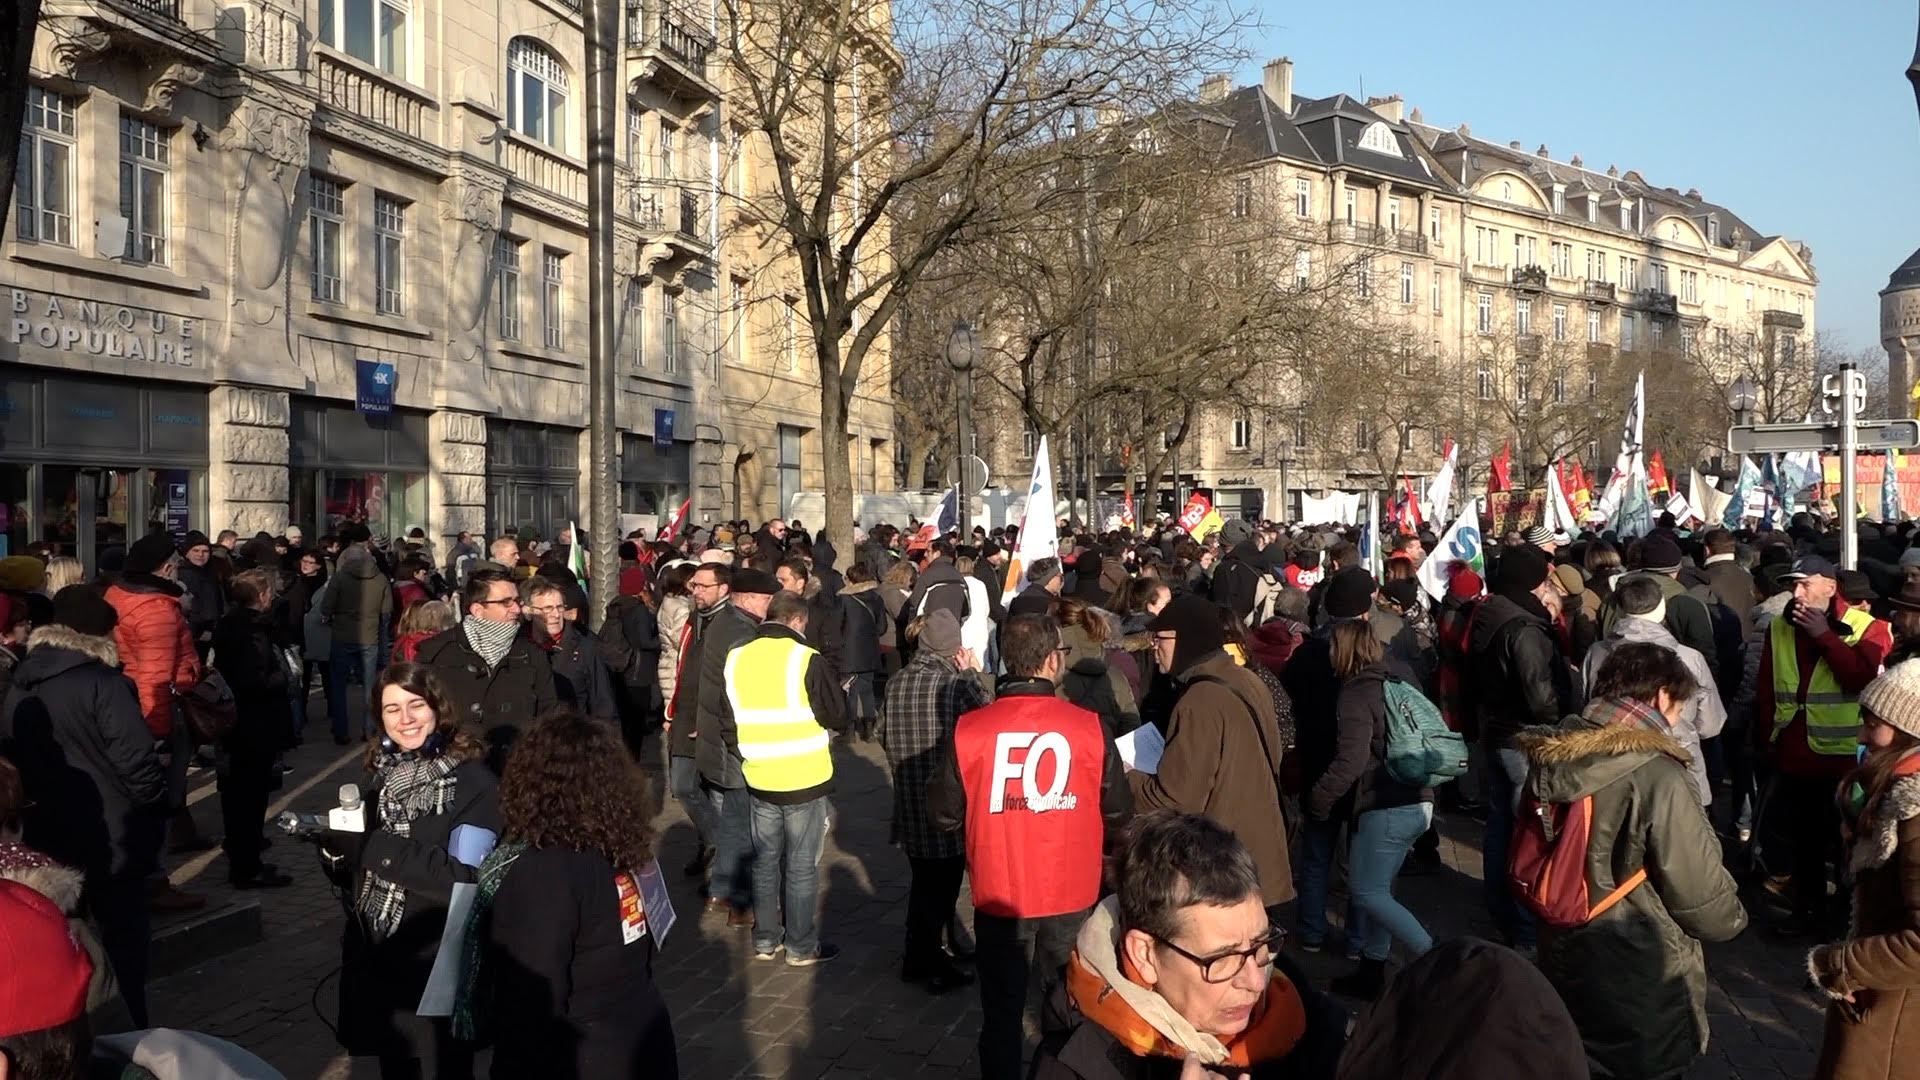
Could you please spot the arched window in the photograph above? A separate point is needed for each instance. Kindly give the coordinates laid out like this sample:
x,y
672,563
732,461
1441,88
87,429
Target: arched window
x,y
536,92
1379,138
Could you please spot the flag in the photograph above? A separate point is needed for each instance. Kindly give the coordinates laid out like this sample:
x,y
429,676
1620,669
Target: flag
x,y
1559,507
1769,487
671,530
1440,488
1629,461
1126,510
1199,518
948,516
1799,471
1634,514
577,555
1890,488
1408,512
1581,493
1743,488
1039,536
1460,544
1657,485
1709,503
1502,480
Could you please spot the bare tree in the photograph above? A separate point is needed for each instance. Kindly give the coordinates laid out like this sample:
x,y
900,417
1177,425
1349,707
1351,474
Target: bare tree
x,y
857,110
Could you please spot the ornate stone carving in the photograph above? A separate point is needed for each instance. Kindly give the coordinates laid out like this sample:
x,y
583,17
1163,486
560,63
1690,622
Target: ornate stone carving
x,y
459,427
279,136
172,77
475,201
256,408
263,445
74,42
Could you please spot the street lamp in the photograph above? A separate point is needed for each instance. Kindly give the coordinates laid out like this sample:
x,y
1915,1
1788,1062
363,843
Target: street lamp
x,y
1742,397
963,353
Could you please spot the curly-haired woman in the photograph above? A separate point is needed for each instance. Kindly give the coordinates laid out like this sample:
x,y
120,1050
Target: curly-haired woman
x,y
565,940
432,801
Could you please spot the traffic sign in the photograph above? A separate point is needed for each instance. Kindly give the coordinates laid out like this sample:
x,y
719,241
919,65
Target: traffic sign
x,y
1786,438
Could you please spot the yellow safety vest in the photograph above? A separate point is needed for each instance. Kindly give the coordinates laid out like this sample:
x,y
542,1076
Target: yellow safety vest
x,y
782,747
1833,716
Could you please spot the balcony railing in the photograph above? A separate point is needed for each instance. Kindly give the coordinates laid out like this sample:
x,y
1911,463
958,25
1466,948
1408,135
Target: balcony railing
x,y
690,223
168,8
1658,302
1410,240
1528,345
1789,319
1601,291
657,26
1530,277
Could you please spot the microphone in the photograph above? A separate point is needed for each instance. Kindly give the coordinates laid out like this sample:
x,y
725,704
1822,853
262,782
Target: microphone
x,y
351,814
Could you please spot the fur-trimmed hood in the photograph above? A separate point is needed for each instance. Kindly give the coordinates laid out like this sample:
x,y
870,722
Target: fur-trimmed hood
x,y
1579,758
59,884
53,650
1874,848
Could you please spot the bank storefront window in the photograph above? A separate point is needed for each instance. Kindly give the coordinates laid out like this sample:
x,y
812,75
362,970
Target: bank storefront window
x,y
654,479
88,465
352,468
533,478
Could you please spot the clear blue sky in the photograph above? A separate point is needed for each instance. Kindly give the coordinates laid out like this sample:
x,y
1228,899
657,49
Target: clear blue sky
x,y
1797,116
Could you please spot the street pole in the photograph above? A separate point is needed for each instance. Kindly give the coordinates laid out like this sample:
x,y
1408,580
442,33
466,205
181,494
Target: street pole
x,y
600,22
962,498
1849,449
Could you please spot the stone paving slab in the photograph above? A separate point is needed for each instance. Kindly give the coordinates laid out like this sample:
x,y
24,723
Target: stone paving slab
x,y
737,1017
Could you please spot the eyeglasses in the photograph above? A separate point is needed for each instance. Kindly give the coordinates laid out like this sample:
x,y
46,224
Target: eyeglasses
x,y
1165,639
1222,967
548,609
509,601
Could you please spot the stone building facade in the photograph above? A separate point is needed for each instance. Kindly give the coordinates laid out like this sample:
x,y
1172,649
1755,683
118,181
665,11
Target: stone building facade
x,y
295,263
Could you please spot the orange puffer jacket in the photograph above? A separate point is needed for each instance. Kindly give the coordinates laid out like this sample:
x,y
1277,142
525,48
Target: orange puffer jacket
x,y
156,648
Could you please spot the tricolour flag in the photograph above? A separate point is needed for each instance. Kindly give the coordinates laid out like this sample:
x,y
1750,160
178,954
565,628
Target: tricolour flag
x,y
1039,535
1461,543
948,516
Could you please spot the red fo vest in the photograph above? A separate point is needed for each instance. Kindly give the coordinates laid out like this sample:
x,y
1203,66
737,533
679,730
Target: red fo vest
x,y
1031,765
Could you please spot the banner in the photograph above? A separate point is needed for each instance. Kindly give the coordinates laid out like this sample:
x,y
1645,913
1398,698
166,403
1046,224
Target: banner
x,y
1440,488
1039,534
1516,510
1709,503
1628,462
1869,479
1462,543
577,554
663,428
1341,507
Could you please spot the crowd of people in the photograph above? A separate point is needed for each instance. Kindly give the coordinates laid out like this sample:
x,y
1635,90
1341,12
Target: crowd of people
x,y
1150,763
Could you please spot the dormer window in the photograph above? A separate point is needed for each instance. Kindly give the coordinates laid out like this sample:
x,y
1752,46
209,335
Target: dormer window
x,y
1559,199
1713,231
1626,214
1378,137
1593,208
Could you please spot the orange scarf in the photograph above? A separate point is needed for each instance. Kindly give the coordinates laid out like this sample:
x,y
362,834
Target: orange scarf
x,y
1279,1018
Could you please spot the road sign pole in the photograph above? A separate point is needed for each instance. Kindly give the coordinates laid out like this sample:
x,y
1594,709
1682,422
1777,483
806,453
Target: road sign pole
x,y
1849,450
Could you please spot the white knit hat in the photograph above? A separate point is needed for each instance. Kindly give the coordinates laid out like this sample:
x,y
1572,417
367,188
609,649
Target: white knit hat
x,y
1894,697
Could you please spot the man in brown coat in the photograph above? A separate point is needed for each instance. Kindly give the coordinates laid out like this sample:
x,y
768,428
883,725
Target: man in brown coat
x,y
1223,743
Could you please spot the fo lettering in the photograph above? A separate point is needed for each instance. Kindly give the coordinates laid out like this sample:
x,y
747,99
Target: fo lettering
x,y
1037,745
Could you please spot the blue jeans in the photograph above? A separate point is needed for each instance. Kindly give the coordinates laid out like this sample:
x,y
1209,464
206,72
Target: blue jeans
x,y
1504,772
1381,840
683,779
732,846
352,661
799,833
1319,840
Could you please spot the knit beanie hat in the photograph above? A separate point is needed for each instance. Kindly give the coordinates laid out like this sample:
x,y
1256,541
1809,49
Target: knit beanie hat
x,y
1196,622
1521,568
82,609
1895,697
1539,536
1465,584
1349,594
193,540
149,553
47,970
1660,553
941,633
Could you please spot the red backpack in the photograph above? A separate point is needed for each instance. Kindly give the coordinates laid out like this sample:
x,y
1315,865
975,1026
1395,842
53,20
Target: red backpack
x,y
1547,866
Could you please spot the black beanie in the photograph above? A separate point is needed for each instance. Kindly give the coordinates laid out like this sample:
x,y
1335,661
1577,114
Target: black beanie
x,y
1660,553
1522,569
149,553
1197,623
1349,594
82,609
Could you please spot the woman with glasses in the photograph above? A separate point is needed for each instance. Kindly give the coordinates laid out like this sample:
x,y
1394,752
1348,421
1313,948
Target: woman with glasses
x,y
1180,973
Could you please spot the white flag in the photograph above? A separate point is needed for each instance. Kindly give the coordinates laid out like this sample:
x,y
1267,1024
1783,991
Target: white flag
x,y
1462,543
1440,490
1559,510
1627,464
1708,502
1039,534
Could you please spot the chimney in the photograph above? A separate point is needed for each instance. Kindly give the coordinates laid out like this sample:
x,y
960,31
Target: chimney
x,y
1415,117
1613,171
1277,78
1542,152
1214,88
1391,108
1513,144
1576,162
1694,194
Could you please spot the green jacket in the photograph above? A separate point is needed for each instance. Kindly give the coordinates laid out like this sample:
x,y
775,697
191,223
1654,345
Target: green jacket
x,y
1634,978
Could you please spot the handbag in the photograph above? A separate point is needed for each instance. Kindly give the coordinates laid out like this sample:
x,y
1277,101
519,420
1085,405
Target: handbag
x,y
208,707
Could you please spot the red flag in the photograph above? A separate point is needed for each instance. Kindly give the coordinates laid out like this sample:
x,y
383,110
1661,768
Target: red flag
x,y
1658,486
1126,510
672,528
1501,479
1410,506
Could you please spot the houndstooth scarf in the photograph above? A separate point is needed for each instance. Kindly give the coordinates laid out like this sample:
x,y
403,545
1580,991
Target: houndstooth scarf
x,y
411,787
490,639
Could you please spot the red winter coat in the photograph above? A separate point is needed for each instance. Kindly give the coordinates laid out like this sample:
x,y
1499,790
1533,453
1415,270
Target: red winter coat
x,y
156,648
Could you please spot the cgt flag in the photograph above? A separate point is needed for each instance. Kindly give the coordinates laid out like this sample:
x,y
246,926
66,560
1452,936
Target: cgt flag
x,y
1199,518
1461,544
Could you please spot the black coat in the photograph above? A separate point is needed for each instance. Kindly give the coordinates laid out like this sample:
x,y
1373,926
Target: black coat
x,y
496,704
1356,780
1314,688
1516,676
575,1000
1236,580
720,632
844,631
244,654
206,598
579,674
380,982
72,724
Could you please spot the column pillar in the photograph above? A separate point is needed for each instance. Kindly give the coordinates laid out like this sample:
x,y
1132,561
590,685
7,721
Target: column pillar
x,y
457,458
247,446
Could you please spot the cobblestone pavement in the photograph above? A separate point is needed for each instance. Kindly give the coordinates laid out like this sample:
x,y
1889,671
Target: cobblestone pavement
x,y
852,1018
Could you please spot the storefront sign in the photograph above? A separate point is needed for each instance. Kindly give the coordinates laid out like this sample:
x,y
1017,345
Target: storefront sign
x,y
374,395
74,324
176,509
663,427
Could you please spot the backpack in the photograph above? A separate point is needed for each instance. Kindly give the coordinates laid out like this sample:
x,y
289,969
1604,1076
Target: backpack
x,y
1421,749
1547,865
